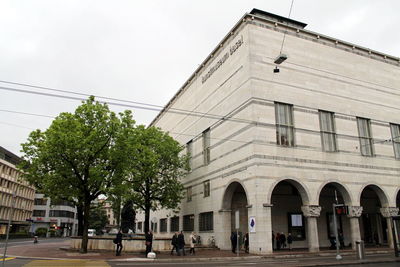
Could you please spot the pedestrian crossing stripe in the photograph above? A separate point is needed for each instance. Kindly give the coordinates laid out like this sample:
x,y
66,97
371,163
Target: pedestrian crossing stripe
x,y
7,259
66,263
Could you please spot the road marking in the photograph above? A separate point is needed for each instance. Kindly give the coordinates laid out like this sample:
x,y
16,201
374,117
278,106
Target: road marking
x,y
7,259
66,263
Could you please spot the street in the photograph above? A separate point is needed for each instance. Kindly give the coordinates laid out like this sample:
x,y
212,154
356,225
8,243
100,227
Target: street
x,y
28,241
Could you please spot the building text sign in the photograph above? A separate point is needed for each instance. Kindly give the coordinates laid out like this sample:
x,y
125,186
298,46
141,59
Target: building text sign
x,y
222,60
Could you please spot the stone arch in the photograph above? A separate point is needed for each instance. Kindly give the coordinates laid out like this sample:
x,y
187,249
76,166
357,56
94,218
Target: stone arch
x,y
397,198
383,198
344,191
228,193
303,190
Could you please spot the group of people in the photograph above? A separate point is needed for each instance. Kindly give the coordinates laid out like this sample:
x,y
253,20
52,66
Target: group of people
x,y
280,241
234,241
118,242
178,243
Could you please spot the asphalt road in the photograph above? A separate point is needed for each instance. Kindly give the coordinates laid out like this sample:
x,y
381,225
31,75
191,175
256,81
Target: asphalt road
x,y
245,263
25,241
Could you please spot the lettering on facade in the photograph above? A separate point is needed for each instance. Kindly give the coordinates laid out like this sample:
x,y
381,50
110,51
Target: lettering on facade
x,y
222,60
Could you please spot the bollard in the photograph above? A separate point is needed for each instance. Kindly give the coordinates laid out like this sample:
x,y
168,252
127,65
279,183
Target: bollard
x,y
360,251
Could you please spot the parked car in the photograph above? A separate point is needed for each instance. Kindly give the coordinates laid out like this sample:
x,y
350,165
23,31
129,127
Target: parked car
x,y
91,232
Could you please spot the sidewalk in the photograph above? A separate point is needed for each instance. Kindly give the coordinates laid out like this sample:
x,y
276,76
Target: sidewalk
x,y
323,258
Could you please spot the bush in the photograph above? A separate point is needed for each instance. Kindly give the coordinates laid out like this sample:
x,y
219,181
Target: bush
x,y
41,232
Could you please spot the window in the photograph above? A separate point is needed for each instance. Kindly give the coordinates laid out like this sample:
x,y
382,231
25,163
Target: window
x,y
174,224
163,225
328,132
284,124
189,193
139,226
365,134
62,213
188,223
206,146
395,129
40,201
61,203
206,221
189,152
206,185
39,213
153,227
296,226
331,224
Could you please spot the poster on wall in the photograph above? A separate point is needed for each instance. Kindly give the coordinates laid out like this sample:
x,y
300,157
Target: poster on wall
x,y
252,224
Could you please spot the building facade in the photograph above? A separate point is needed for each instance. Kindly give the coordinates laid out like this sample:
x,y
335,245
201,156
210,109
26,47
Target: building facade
x,y
282,147
16,195
60,216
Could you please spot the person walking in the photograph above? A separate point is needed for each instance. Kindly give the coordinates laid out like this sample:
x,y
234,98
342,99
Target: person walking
x,y
290,240
149,241
174,243
181,244
278,241
118,242
193,241
246,243
234,241
282,238
273,240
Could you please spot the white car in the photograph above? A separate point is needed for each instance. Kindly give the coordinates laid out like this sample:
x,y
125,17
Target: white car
x,y
91,232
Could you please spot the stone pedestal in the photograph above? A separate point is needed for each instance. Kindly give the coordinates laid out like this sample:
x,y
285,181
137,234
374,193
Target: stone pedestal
x,y
354,215
312,212
388,212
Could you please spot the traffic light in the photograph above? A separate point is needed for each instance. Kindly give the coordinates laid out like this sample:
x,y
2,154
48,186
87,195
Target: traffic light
x,y
341,210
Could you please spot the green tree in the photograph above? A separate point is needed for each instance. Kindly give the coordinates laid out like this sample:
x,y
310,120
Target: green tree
x,y
155,167
128,216
98,218
77,157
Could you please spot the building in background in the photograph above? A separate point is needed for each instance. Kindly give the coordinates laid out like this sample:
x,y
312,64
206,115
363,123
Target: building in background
x,y
281,145
58,217
16,195
111,219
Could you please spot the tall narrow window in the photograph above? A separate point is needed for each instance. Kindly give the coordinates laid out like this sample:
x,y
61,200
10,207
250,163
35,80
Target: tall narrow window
x,y
189,152
188,222
189,193
174,226
395,129
206,185
163,225
365,134
328,132
206,221
206,146
284,124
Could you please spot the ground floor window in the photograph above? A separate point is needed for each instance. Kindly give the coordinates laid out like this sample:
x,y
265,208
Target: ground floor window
x,y
331,225
206,221
174,221
188,223
163,225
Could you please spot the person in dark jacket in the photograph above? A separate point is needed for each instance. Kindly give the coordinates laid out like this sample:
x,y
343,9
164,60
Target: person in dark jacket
x,y
234,241
282,239
278,241
181,244
246,243
118,242
290,240
174,244
149,242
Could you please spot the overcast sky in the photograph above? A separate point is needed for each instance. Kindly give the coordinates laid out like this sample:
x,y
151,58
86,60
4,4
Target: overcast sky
x,y
144,50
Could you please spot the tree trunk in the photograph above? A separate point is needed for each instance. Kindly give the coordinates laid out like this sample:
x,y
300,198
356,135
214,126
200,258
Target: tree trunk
x,y
147,219
85,226
79,211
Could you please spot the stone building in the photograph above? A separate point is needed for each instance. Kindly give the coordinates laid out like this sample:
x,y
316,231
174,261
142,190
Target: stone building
x,y
16,195
59,216
282,147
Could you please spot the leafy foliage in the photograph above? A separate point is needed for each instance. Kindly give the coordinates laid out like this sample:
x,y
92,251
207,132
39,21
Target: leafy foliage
x,y
76,157
98,218
128,216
